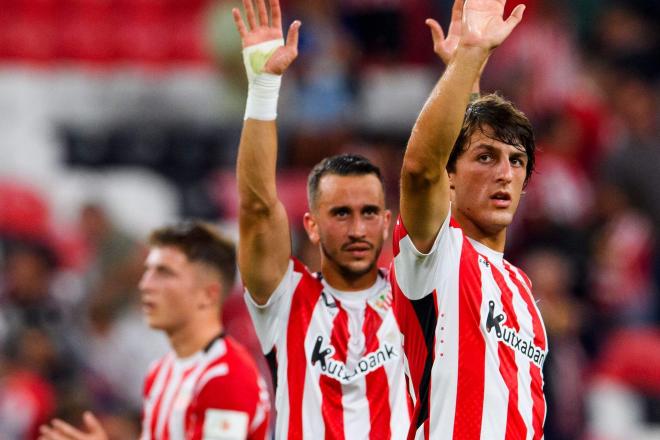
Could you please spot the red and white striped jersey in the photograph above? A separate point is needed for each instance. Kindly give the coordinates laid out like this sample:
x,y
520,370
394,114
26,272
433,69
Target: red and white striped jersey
x,y
473,340
215,394
336,359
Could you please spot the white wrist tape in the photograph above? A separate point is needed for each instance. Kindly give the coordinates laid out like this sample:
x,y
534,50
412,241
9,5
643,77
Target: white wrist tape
x,y
263,88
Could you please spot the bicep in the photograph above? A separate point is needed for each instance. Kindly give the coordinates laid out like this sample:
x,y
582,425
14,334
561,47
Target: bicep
x,y
424,206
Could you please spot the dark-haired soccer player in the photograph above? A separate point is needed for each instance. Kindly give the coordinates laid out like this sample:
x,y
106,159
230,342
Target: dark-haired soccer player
x,y
207,387
331,338
473,337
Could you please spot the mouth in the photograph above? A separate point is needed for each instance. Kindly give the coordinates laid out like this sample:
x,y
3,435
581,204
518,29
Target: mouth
x,y
148,307
358,249
501,199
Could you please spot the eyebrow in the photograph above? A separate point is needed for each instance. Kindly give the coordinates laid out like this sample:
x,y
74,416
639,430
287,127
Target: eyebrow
x,y
335,209
518,153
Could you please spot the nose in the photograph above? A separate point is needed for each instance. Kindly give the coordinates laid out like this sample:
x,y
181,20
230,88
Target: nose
x,y
505,172
143,285
357,227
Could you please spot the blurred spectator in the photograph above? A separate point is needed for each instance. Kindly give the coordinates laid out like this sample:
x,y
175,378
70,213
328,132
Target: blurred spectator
x,y
621,277
632,166
324,94
561,191
377,26
26,295
627,37
114,269
27,398
553,275
545,79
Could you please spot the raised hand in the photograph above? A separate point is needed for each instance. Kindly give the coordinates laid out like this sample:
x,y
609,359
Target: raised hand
x,y
484,25
445,47
260,30
60,430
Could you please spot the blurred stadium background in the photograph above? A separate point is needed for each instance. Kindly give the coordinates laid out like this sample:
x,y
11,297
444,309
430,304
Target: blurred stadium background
x,y
119,115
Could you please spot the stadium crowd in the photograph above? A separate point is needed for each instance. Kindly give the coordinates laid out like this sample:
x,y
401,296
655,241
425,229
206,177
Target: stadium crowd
x,y
587,74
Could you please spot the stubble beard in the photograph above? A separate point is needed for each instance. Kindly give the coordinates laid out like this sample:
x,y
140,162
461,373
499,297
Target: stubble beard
x,y
346,271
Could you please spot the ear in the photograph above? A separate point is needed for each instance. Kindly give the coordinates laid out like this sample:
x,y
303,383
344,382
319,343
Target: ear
x,y
386,226
312,228
451,180
211,294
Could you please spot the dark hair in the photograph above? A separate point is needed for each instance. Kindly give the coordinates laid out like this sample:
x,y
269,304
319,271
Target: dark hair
x,y
508,124
341,165
200,242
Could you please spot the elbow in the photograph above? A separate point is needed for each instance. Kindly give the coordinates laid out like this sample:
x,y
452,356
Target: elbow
x,y
256,208
419,173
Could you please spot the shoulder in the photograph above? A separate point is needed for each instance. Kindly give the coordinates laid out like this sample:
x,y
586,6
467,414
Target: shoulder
x,y
232,364
231,380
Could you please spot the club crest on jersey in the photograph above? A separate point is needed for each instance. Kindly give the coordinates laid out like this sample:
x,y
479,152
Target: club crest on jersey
x,y
383,301
511,338
322,359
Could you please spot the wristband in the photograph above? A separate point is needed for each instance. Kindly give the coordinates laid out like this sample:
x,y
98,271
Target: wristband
x,y
263,88
263,93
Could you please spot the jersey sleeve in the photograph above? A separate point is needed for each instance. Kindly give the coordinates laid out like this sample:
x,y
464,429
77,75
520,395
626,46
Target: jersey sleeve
x,y
270,319
412,267
233,406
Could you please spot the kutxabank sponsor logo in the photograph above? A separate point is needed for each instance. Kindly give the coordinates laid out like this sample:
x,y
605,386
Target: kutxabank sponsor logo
x,y
511,338
336,369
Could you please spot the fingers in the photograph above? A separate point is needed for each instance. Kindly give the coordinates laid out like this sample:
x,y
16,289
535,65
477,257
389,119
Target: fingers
x,y
276,14
263,14
48,433
457,10
515,18
68,430
60,431
436,31
92,423
238,20
249,13
292,35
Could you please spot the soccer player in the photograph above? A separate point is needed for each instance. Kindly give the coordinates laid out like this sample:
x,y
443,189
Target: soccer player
x,y
474,340
331,338
208,387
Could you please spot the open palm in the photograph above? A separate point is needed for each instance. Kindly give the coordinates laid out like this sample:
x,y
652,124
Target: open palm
x,y
260,29
484,25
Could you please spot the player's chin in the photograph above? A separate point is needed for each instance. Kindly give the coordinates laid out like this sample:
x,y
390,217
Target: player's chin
x,y
153,322
360,267
503,218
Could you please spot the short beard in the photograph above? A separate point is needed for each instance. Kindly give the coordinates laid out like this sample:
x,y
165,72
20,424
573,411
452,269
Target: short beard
x,y
346,271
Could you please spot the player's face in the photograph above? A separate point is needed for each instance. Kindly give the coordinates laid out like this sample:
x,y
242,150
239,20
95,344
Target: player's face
x,y
169,288
350,223
486,186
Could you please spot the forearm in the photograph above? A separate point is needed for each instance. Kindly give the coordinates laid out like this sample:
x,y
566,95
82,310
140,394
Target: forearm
x,y
424,181
264,245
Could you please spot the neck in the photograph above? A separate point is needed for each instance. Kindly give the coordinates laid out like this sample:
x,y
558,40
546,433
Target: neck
x,y
339,280
189,340
494,239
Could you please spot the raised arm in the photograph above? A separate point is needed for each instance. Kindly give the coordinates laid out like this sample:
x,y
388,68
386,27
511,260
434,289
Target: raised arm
x,y
424,181
264,246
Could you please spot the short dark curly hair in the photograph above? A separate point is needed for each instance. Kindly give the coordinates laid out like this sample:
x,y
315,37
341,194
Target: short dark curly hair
x,y
508,125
